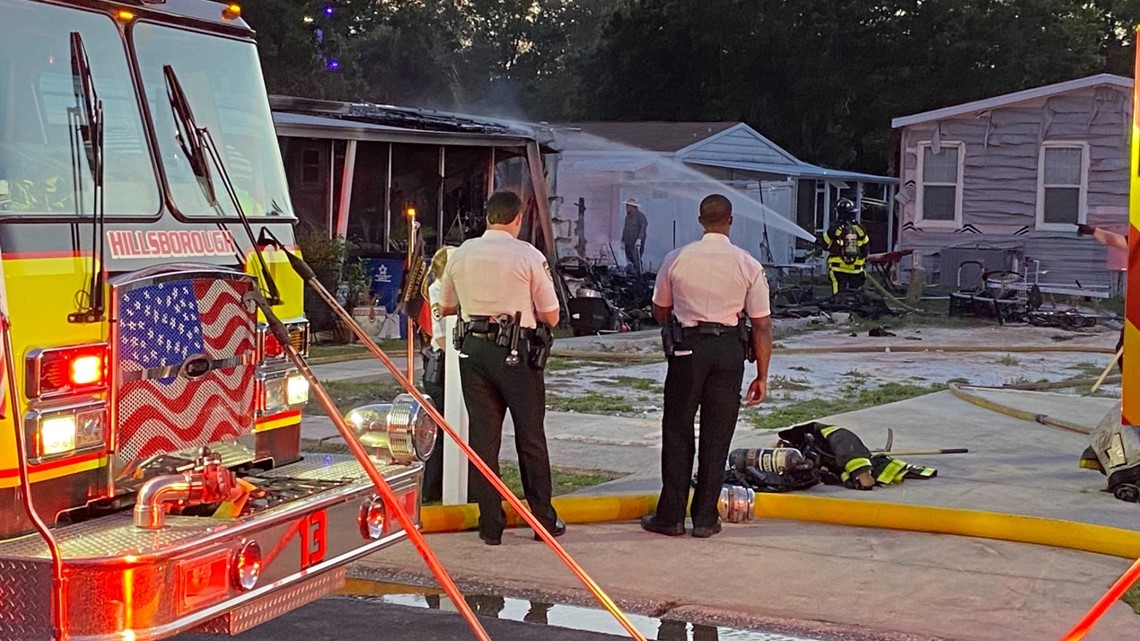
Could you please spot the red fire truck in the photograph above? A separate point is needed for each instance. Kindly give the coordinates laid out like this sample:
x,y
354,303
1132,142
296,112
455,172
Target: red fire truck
x,y
151,477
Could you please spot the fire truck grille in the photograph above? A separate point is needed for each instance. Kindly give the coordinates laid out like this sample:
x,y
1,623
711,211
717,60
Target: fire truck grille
x,y
186,356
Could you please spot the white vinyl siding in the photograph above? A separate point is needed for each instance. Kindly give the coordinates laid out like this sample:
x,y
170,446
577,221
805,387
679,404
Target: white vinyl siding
x,y
1062,185
940,185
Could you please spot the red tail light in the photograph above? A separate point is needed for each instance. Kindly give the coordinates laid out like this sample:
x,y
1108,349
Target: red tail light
x,y
273,347
67,370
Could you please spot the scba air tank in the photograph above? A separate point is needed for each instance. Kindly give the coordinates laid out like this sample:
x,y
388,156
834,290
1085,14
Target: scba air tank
x,y
775,460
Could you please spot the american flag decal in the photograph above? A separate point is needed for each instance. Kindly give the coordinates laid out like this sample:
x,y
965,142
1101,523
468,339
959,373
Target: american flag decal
x,y
164,324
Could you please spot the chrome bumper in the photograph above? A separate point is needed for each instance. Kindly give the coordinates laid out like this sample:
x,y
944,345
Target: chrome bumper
x,y
130,584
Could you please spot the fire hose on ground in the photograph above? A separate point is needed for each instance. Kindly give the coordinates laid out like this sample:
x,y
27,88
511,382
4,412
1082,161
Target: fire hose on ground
x,y
307,275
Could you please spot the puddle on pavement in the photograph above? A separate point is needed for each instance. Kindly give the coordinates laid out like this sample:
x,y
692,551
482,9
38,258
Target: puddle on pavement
x,y
562,616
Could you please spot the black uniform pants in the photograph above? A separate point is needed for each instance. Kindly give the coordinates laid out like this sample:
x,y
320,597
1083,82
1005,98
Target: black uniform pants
x,y
846,281
433,467
490,389
709,379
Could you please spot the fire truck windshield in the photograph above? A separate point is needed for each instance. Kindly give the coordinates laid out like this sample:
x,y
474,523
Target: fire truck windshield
x,y
223,84
43,168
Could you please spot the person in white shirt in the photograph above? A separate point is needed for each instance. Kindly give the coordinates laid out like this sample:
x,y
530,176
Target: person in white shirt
x,y
707,286
490,281
433,371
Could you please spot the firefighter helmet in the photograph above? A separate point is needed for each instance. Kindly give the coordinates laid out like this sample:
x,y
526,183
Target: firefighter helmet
x,y
844,208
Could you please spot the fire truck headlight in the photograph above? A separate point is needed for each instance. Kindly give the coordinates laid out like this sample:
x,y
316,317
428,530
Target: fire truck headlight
x,y
297,390
402,427
57,435
66,431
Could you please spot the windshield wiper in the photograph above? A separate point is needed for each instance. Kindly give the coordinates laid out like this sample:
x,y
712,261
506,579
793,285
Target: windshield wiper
x,y
87,131
200,150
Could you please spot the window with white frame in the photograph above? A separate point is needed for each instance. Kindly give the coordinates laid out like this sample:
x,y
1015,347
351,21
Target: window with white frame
x,y
1062,184
939,197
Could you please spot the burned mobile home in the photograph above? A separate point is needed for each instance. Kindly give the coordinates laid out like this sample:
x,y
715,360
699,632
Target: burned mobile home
x,y
357,171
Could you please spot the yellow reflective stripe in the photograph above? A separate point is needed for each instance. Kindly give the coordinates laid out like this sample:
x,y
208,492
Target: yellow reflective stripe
x,y
827,431
55,472
920,470
892,473
853,465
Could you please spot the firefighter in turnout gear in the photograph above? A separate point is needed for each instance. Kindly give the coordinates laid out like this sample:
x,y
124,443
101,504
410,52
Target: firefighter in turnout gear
x,y
847,247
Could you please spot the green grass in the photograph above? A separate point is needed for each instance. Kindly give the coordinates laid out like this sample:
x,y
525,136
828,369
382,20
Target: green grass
x,y
1132,597
563,364
351,350
351,394
1116,306
590,402
563,479
1086,368
786,383
802,411
634,382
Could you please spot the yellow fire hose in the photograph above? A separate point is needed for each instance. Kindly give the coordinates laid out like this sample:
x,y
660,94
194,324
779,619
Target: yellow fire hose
x,y
1100,539
961,392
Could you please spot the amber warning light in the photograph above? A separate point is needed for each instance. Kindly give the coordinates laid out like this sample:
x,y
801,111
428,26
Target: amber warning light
x,y
232,12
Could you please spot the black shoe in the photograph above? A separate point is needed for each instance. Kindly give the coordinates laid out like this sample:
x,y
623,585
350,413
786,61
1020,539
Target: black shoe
x,y
492,540
650,524
706,531
558,530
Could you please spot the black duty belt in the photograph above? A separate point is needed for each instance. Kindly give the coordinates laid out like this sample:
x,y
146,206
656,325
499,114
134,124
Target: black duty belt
x,y
708,329
493,332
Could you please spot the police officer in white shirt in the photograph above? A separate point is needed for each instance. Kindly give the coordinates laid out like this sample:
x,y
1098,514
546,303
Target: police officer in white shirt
x,y
491,280
707,286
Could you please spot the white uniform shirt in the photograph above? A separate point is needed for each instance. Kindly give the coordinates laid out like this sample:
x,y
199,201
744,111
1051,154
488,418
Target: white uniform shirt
x,y
712,281
438,326
498,274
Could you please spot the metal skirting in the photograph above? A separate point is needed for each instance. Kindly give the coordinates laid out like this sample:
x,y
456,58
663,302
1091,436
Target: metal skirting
x,y
274,604
25,600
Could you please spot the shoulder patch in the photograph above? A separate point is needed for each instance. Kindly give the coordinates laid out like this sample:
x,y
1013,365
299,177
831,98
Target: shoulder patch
x,y
546,268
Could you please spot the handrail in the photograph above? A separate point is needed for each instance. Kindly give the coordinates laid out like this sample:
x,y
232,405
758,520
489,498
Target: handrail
x,y
59,592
